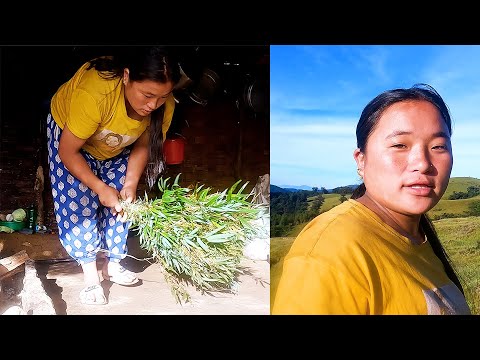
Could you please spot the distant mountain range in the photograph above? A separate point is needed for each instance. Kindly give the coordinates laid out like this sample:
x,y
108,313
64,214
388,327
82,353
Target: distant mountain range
x,y
295,187
456,184
278,189
290,188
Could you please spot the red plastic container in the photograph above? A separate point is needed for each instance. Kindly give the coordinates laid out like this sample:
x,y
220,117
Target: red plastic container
x,y
174,150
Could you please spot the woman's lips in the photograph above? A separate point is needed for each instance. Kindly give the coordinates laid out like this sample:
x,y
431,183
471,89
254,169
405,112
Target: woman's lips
x,y
420,189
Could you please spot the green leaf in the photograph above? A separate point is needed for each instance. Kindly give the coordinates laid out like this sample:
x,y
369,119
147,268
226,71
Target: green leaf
x,y
232,189
242,188
218,238
214,231
175,182
202,244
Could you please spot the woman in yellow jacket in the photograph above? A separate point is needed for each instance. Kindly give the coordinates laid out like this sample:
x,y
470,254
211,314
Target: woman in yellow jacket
x,y
378,253
105,125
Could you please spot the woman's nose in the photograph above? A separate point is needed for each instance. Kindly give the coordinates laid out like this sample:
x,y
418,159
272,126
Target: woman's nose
x,y
155,104
420,160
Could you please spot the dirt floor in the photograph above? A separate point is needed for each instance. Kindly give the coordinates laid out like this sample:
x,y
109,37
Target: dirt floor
x,y
152,295
10,289
62,280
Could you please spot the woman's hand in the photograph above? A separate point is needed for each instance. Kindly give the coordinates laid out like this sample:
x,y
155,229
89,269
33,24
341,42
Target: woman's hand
x,y
128,194
109,197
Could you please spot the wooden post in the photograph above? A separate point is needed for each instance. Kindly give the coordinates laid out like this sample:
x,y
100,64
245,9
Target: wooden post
x,y
238,161
39,185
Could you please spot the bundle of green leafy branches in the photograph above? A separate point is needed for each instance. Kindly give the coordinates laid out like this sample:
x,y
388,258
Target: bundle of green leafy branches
x,y
197,236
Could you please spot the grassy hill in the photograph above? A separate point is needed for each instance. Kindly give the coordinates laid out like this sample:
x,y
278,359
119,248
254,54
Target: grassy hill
x,y
460,184
455,207
331,200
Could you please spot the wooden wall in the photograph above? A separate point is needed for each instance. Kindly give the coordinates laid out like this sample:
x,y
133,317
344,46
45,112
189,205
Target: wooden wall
x,y
223,144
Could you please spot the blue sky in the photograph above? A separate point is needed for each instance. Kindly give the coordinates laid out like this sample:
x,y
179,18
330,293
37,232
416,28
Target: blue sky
x,y
317,93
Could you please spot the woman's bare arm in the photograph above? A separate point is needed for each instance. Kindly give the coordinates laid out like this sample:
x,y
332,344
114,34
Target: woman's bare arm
x,y
69,152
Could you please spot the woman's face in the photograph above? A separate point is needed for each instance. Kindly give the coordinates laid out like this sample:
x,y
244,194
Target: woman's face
x,y
408,158
146,96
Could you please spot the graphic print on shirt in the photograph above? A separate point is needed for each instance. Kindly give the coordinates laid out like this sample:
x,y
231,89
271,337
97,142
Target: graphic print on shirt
x,y
447,300
106,140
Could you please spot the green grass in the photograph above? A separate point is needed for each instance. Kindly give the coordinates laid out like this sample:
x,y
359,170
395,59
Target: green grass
x,y
331,200
279,248
456,207
459,236
296,230
461,239
460,184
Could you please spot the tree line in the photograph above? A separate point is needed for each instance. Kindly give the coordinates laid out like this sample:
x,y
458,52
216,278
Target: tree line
x,y
471,192
288,209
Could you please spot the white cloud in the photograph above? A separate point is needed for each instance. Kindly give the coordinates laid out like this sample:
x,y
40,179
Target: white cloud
x,y
320,154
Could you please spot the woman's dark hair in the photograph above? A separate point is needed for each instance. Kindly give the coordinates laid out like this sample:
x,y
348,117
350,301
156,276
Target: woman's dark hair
x,y
366,125
155,63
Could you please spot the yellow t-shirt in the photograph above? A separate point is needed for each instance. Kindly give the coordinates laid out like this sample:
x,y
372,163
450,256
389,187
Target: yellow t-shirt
x,y
348,261
94,109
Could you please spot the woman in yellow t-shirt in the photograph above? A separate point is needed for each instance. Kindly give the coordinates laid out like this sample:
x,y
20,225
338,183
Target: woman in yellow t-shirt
x,y
378,253
105,125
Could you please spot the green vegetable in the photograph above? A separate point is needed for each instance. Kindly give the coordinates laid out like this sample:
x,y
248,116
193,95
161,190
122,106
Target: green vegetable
x,y
6,229
196,236
19,215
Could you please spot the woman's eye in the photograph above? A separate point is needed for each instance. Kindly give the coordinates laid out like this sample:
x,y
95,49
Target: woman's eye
x,y
399,146
440,147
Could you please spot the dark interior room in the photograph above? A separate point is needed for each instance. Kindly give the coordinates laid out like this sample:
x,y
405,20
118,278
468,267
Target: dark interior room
x,y
219,132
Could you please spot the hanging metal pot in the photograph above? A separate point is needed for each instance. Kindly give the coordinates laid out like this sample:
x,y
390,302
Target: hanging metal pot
x,y
206,87
255,95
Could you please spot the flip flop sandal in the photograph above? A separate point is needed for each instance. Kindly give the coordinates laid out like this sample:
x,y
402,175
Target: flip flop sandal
x,y
93,295
122,276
